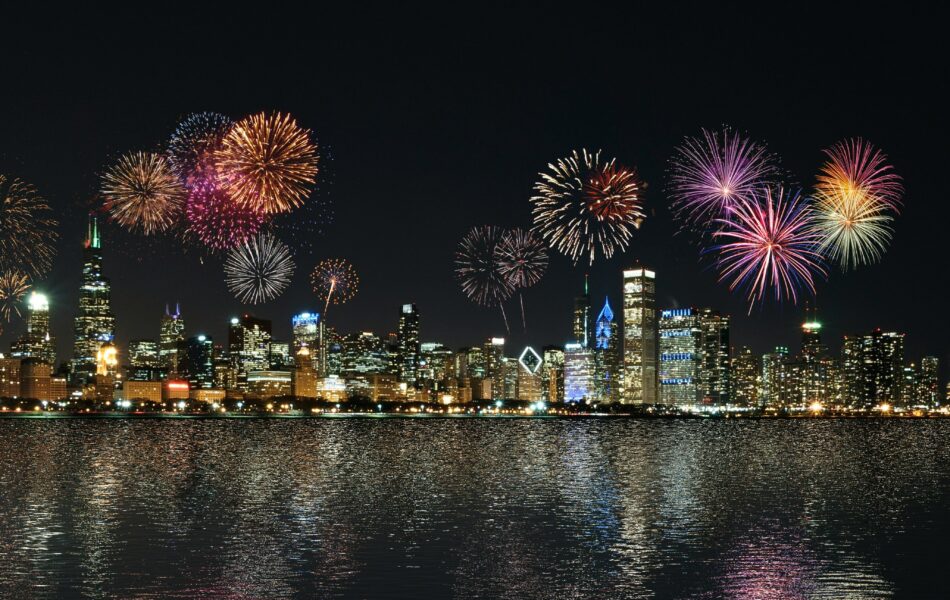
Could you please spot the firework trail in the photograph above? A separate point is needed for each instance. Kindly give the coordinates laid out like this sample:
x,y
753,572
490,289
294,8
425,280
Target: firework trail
x,y
27,229
708,175
217,221
13,286
522,259
336,279
478,271
192,146
856,198
259,269
769,245
267,163
583,206
142,193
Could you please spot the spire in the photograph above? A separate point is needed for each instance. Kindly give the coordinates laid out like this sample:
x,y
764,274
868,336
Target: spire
x,y
92,232
606,314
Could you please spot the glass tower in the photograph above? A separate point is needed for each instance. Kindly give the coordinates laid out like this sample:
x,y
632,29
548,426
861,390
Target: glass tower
x,y
639,337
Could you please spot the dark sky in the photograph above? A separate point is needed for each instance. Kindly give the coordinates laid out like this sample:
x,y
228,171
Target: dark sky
x,y
438,122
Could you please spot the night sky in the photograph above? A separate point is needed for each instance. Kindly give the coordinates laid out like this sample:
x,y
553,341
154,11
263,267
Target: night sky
x,y
438,122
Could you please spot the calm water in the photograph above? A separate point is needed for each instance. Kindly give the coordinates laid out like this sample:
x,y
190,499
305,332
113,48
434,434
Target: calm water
x,y
473,508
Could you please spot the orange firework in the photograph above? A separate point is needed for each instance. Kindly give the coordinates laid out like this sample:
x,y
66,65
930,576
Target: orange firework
x,y
267,163
142,193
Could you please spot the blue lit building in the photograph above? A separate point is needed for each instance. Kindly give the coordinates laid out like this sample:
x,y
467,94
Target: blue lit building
x,y
606,356
680,356
578,373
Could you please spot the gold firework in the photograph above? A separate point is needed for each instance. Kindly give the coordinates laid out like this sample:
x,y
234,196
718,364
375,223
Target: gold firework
x,y
13,286
267,163
27,229
142,193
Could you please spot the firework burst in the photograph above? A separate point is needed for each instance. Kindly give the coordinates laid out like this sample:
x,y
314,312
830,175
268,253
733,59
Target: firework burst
x,y
478,270
856,167
769,246
856,197
267,163
192,146
522,259
27,229
218,221
335,279
583,206
259,269
708,175
13,286
142,193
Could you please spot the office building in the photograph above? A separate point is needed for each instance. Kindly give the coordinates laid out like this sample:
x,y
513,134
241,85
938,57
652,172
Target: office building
x,y
745,379
407,354
639,337
715,386
249,346
36,342
196,362
308,331
95,323
582,314
681,346
552,374
171,333
928,392
578,373
145,361
607,356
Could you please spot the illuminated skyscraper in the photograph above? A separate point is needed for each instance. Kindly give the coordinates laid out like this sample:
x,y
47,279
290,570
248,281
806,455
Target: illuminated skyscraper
x,y
681,347
249,346
581,329
407,353
196,362
873,368
36,342
172,332
308,331
145,361
494,353
578,373
775,379
529,375
363,353
552,374
745,376
715,385
639,337
606,356
95,323
929,382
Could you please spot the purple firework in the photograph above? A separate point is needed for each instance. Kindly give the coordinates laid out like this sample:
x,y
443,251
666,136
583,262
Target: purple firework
x,y
709,175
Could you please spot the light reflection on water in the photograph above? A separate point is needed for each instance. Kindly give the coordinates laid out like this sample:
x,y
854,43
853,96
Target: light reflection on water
x,y
472,508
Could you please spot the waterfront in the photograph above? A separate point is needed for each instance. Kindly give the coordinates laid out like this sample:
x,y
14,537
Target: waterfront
x,y
394,507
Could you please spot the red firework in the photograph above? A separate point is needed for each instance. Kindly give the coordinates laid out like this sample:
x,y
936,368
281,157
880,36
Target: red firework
x,y
219,222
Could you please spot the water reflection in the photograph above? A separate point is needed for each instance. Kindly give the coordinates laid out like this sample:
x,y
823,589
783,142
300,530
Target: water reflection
x,y
471,508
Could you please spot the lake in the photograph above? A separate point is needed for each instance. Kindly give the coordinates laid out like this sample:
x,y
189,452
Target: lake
x,y
380,507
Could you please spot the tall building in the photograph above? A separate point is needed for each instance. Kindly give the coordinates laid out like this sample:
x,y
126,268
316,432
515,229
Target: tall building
x,y
928,385
249,346
552,374
145,361
9,377
606,356
581,328
813,370
407,354
639,337
681,347
36,342
529,375
909,385
363,353
494,354
172,332
196,362
95,322
578,373
774,392
872,366
715,385
308,331
745,379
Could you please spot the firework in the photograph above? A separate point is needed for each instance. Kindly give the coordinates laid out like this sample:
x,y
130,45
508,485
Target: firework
x,y
769,246
27,229
522,259
335,279
583,206
708,175
259,269
854,229
267,163
218,221
855,167
142,193
13,286
192,146
478,270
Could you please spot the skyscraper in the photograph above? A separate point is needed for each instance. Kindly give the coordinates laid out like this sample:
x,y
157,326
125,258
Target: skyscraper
x,y
581,329
606,356
36,342
249,346
774,379
745,375
407,353
715,384
172,332
929,382
145,362
681,347
95,323
873,366
578,373
639,337
308,331
494,354
196,361
552,374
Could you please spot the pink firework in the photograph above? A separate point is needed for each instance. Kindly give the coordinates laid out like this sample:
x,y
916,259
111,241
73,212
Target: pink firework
x,y
219,222
856,168
770,246
709,175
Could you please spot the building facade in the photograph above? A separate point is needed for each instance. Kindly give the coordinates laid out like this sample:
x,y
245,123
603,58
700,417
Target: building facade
x,y
640,341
